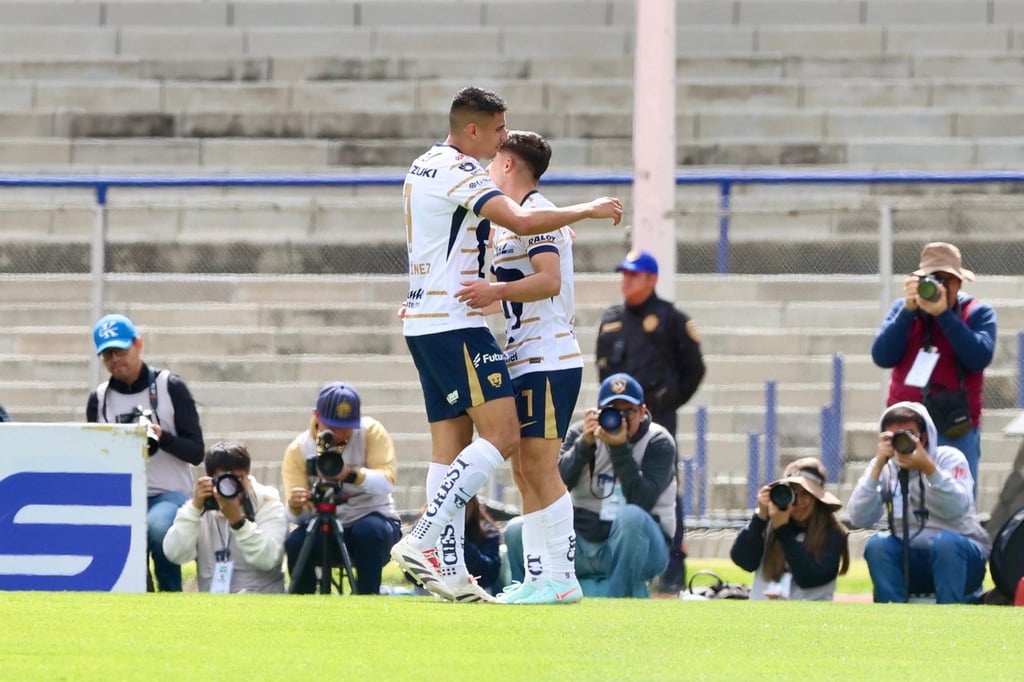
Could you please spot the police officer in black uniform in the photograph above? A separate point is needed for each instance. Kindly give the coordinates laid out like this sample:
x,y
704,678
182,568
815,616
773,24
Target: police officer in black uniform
x,y
656,343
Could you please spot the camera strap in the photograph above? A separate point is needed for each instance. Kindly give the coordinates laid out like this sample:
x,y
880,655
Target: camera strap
x,y
224,553
889,494
153,397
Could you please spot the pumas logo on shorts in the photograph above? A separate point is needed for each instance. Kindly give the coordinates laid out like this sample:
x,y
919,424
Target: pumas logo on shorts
x,y
452,397
494,379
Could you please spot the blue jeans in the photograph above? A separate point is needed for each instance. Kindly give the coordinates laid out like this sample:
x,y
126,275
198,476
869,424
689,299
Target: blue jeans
x,y
368,540
160,513
970,445
635,552
952,567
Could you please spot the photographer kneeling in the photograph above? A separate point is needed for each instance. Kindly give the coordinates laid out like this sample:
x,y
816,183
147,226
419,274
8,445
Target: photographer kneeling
x,y
794,542
234,527
948,548
619,467
366,477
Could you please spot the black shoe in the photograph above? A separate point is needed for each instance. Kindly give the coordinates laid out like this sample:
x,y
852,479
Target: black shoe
x,y
673,579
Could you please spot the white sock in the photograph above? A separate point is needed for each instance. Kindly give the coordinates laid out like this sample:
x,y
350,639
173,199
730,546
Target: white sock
x,y
560,538
535,561
435,474
452,550
463,479
450,546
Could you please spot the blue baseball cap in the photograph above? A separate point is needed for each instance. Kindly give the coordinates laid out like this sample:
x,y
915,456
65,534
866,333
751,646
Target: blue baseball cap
x,y
114,331
338,406
620,386
638,261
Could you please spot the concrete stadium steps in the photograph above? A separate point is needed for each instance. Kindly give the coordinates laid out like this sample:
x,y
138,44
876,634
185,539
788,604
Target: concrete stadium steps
x,y
507,38
213,155
259,347
742,357
260,414
933,61
177,228
245,13
593,291
320,108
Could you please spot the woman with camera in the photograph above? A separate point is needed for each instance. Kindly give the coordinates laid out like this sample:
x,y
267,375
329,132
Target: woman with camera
x,y
794,543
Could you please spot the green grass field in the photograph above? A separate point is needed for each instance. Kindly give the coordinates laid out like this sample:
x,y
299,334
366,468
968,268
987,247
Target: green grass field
x,y
86,636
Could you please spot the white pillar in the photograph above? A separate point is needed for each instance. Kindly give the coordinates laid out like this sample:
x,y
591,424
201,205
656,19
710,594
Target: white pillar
x,y
654,137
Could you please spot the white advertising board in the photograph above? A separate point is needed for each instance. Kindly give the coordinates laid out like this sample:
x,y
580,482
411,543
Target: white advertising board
x,y
72,507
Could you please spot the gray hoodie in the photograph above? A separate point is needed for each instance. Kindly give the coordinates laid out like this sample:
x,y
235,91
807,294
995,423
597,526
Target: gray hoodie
x,y
948,493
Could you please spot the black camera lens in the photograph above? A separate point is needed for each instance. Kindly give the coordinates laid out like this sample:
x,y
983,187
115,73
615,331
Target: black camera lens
x,y
610,418
329,461
903,442
228,485
781,495
928,287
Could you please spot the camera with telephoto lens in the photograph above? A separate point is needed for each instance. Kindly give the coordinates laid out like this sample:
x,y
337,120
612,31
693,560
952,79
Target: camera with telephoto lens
x,y
329,462
610,418
144,417
928,287
781,495
903,442
228,486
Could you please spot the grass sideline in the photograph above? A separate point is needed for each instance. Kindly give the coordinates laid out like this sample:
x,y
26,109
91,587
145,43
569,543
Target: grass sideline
x,y
101,636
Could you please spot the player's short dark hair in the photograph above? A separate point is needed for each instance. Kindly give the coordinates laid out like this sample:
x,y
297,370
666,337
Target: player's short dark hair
x,y
531,149
227,455
469,103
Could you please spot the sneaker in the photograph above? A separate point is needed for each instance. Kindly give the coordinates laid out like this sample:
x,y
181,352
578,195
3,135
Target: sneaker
x,y
471,592
516,591
422,566
555,592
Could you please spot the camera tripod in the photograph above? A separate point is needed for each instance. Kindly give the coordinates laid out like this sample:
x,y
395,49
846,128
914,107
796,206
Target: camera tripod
x,y
321,530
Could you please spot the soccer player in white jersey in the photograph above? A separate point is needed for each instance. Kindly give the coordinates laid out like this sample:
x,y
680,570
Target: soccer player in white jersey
x,y
449,201
535,285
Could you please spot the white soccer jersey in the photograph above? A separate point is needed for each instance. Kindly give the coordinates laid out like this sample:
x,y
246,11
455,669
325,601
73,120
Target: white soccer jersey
x,y
539,335
446,238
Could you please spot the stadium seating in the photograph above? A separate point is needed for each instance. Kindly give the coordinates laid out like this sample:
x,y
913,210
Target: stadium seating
x,y
255,350
296,86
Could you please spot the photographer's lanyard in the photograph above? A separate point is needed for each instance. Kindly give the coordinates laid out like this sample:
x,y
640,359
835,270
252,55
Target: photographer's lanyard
x,y
926,342
222,569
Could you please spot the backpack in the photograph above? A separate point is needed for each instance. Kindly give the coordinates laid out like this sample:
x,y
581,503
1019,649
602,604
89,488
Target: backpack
x,y
1006,563
719,589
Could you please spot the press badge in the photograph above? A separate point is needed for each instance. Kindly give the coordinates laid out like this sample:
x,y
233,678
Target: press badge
x,y
780,588
221,582
611,497
924,364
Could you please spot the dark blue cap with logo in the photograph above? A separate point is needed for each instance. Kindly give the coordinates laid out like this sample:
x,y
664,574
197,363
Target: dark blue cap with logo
x,y
114,331
638,261
620,386
338,406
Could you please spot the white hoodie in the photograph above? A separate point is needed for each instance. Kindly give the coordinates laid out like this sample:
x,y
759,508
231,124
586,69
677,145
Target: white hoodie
x,y
948,493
